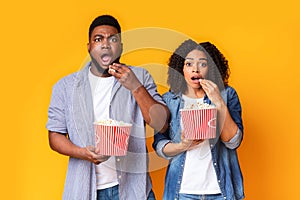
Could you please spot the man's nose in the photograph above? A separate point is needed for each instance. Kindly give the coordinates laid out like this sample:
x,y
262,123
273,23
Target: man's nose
x,y
105,44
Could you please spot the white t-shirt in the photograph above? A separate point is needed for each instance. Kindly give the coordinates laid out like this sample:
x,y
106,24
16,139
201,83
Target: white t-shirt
x,y
199,176
101,90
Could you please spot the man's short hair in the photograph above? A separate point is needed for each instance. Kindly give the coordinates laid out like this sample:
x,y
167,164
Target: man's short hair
x,y
104,20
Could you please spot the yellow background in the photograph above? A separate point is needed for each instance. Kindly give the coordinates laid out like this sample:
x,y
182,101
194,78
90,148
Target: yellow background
x,y
42,41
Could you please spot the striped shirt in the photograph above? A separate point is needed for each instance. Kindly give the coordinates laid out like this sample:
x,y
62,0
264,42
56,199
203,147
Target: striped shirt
x,y
71,112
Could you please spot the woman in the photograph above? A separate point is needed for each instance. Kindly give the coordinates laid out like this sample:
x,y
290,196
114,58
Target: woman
x,y
201,169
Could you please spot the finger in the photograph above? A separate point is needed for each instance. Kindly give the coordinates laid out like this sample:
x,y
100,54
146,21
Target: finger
x,y
182,134
118,70
203,83
97,162
199,141
211,85
101,157
121,68
114,72
114,68
91,148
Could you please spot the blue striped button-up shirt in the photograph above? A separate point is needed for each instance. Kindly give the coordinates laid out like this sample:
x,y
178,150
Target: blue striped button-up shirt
x,y
71,112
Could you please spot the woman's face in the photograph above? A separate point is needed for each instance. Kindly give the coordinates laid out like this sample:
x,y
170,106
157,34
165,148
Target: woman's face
x,y
195,68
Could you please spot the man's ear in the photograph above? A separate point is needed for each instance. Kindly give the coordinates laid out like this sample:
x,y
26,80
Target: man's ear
x,y
88,47
121,49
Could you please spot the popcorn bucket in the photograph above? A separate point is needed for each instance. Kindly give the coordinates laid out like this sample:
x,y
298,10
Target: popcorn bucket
x,y
199,123
112,140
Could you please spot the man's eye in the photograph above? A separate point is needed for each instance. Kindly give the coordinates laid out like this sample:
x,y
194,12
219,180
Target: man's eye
x,y
98,40
114,39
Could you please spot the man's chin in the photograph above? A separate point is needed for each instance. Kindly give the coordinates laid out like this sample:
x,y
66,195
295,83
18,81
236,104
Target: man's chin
x,y
105,65
102,69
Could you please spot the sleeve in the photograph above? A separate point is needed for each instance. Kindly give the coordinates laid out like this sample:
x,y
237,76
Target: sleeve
x,y
235,110
56,111
160,141
151,87
235,141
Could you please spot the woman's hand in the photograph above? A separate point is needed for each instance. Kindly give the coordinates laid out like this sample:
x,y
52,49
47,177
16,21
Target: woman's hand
x,y
186,144
227,126
173,149
212,91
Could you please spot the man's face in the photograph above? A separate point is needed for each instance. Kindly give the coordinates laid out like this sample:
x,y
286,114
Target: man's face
x,y
104,46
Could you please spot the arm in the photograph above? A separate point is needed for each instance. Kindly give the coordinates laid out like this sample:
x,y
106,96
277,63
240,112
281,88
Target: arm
x,y
61,144
167,149
173,149
229,127
155,114
57,130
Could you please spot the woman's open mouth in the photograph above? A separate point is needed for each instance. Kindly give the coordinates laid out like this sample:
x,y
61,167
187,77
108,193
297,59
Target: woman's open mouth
x,y
195,78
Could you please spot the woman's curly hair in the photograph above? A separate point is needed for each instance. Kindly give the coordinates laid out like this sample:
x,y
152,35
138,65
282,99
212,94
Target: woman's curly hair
x,y
218,70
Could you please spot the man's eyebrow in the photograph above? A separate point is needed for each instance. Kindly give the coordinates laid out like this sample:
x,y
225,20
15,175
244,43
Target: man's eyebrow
x,y
98,35
102,35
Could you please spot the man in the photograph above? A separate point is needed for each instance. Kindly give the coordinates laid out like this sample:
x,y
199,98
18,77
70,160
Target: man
x,y
105,89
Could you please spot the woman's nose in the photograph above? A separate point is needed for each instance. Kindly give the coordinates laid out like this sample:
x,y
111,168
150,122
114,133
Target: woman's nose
x,y
195,68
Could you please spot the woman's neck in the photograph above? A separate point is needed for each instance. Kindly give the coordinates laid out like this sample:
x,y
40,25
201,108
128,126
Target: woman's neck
x,y
194,93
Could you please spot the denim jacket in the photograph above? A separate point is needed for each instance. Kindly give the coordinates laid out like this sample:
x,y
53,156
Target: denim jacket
x,y
224,155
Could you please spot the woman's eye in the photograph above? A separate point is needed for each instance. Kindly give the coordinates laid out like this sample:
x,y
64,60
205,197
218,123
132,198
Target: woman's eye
x,y
188,64
203,64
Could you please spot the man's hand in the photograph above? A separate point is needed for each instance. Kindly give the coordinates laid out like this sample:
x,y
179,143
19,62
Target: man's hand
x,y
125,76
93,156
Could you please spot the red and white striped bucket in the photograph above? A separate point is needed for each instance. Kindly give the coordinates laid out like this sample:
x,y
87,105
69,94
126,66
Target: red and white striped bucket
x,y
199,123
111,139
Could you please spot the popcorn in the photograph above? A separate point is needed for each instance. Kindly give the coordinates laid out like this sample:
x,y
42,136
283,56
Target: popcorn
x,y
198,105
111,122
111,137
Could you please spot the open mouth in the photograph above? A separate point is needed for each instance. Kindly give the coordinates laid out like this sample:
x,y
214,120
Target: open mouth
x,y
196,78
106,58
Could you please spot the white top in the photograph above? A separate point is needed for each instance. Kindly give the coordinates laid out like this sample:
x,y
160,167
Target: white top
x,y
199,176
101,90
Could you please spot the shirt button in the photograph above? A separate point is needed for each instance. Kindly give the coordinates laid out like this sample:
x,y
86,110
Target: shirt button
x,y
224,197
215,164
120,177
118,159
219,181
